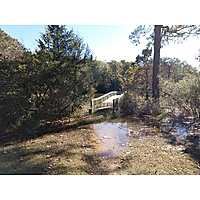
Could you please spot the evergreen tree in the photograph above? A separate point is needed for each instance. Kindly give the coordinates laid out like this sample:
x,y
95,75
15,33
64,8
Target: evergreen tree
x,y
13,105
68,73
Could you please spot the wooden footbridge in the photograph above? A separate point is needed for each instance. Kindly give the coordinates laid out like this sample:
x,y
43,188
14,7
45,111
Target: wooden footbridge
x,y
109,100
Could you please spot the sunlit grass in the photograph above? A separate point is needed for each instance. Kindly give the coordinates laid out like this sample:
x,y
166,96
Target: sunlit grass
x,y
71,152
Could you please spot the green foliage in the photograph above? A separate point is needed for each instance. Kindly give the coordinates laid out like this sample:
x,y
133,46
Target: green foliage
x,y
10,48
179,87
161,35
12,102
137,83
184,94
55,81
174,69
111,75
175,33
66,79
161,116
141,71
129,105
61,77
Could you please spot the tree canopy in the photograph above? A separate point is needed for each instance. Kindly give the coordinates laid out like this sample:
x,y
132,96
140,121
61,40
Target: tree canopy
x,y
50,83
159,36
61,76
10,48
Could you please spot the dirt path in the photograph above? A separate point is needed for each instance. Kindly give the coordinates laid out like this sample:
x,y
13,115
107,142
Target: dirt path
x,y
72,152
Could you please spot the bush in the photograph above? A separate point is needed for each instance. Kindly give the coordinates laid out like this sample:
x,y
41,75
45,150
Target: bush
x,y
134,104
129,105
184,94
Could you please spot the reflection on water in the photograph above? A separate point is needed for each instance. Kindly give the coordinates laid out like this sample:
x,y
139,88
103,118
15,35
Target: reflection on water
x,y
112,138
181,131
109,139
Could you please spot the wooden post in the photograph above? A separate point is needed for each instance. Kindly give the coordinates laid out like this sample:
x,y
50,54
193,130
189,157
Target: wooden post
x,y
91,104
113,105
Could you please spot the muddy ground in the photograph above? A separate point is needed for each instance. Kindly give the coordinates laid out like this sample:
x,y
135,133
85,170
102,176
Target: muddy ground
x,y
72,151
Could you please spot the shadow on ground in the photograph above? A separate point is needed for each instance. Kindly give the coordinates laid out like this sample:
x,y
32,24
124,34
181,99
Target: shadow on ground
x,y
191,144
67,160
45,128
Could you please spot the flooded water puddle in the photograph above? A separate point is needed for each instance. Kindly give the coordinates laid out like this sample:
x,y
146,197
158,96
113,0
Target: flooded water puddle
x,y
112,138
181,130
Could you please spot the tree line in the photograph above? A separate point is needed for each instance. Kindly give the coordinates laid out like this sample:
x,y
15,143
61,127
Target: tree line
x,y
178,91
61,76
179,87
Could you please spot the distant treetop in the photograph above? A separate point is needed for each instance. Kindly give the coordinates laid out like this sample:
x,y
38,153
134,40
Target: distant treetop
x,y
10,48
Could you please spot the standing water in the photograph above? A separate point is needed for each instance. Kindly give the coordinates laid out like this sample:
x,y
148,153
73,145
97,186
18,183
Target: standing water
x,y
109,139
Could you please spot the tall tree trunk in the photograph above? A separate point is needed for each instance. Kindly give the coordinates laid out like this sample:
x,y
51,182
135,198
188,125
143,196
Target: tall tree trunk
x,y
156,61
147,83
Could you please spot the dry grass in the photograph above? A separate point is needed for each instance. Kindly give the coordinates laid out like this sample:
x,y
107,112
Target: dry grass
x,y
58,153
70,152
152,155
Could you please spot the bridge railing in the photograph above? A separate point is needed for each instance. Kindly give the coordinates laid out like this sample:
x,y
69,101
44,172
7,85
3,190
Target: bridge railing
x,y
117,100
102,106
98,103
102,98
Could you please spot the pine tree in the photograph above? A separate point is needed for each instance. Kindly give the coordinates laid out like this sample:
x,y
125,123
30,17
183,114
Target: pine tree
x,y
67,64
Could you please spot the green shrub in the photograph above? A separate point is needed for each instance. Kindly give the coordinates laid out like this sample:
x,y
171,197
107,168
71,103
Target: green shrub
x,y
129,105
161,116
184,94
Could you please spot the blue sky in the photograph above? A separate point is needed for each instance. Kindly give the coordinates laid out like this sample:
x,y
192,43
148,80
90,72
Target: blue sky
x,y
107,42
